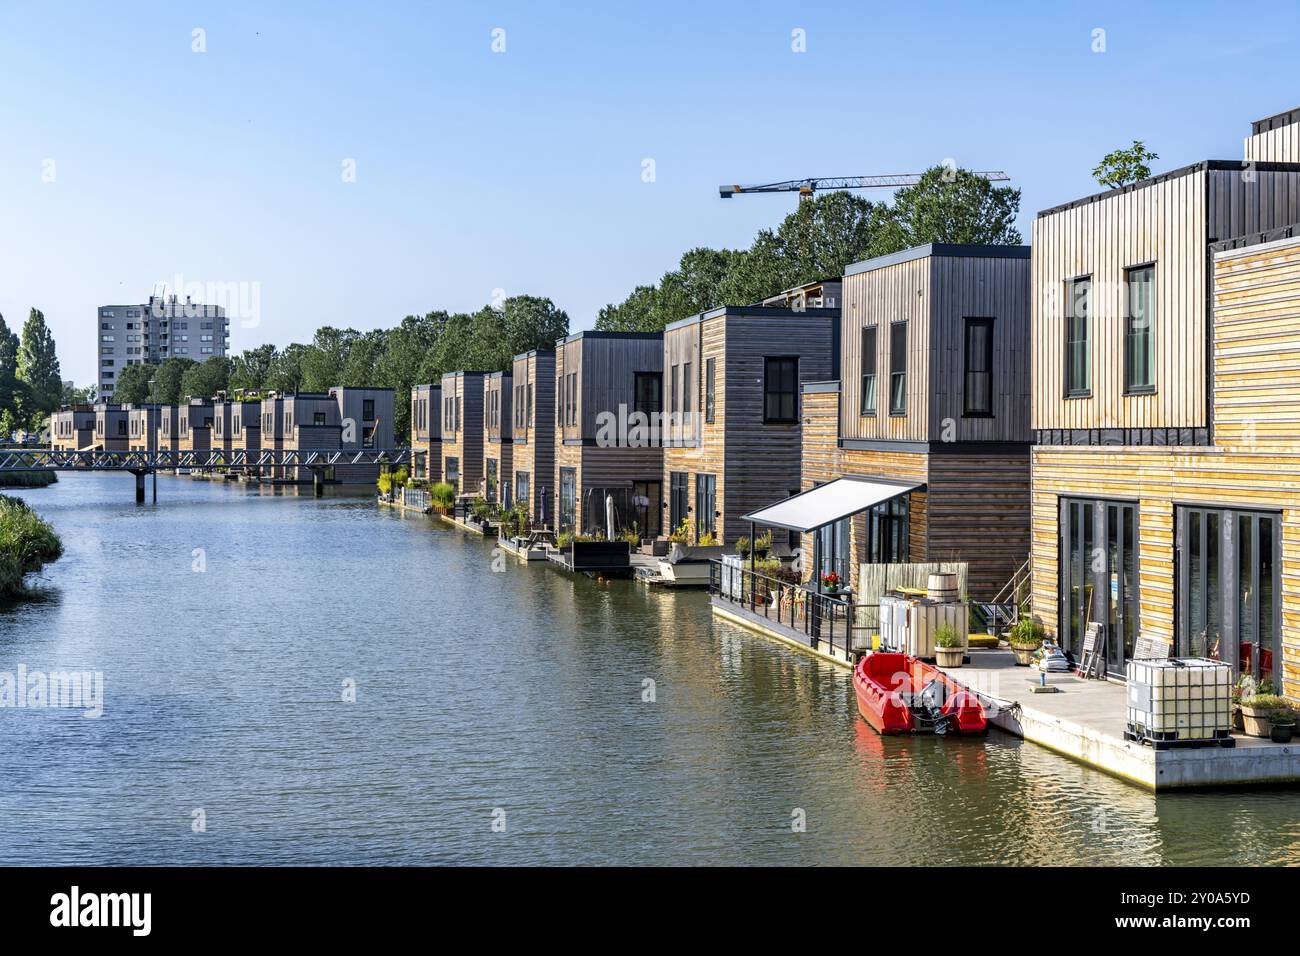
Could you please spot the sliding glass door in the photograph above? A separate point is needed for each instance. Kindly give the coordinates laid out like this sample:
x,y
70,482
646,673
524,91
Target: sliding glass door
x,y
1229,589
1099,576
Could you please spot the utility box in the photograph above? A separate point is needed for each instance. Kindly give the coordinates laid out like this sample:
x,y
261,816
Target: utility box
x,y
1183,701
909,624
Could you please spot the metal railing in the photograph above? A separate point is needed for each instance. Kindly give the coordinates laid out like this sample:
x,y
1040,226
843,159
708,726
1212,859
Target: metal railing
x,y
819,618
415,498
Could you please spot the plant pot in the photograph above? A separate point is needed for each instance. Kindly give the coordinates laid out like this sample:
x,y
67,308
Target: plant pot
x,y
1024,653
1281,733
1238,726
1257,722
949,656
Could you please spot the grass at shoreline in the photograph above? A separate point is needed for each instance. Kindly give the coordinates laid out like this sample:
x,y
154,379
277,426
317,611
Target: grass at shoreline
x,y
27,479
27,542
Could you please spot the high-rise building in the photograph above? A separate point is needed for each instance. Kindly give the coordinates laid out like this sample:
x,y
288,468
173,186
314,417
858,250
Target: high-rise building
x,y
162,328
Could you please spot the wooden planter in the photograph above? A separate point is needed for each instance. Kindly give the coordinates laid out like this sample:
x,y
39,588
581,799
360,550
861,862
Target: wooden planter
x,y
949,656
1256,720
1024,653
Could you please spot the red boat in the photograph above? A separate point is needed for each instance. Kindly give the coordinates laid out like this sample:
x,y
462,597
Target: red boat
x,y
899,694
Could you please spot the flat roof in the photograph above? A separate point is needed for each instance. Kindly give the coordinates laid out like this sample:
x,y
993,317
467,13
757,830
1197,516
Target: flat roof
x,y
941,250
1231,164
1280,234
599,334
1277,120
756,311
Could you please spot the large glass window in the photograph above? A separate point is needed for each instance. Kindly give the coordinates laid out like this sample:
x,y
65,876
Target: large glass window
x,y
710,393
1099,575
869,361
833,552
780,389
706,505
1078,336
1139,359
678,499
898,368
451,468
978,368
568,497
521,491
887,532
649,393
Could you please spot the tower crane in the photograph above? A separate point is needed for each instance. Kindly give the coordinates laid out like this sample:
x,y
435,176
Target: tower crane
x,y
806,187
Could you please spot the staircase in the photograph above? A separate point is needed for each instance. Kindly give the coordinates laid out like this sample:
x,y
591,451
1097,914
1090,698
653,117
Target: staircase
x,y
1009,603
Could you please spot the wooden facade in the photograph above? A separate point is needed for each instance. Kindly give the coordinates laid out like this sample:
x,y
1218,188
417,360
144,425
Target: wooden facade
x,y
246,426
721,444
498,437
462,431
598,452
1275,139
142,426
195,425
934,388
533,428
73,428
111,427
426,432
1166,512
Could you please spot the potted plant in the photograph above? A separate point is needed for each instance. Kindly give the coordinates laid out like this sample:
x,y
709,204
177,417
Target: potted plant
x,y
1257,713
1246,687
831,583
948,651
763,543
1026,638
1282,725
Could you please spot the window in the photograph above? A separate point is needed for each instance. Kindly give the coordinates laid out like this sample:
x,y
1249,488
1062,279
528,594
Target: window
x,y
573,398
568,497
688,389
978,368
318,418
1078,337
898,368
648,395
710,389
869,362
451,468
780,389
521,490
528,414
368,410
706,505
678,499
1139,359
455,414
674,405
887,527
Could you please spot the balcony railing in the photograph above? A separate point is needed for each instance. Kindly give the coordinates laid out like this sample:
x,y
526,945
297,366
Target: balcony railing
x,y
818,619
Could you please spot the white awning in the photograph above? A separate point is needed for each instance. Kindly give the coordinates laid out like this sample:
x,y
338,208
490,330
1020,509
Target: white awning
x,y
828,503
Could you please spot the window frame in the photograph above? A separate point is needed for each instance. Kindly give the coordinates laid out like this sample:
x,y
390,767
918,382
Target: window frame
x,y
871,361
897,410
1085,391
769,393
968,323
1129,387
710,389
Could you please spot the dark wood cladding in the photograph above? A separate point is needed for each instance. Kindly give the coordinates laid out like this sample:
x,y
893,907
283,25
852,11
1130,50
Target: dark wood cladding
x,y
933,290
463,439
974,507
534,434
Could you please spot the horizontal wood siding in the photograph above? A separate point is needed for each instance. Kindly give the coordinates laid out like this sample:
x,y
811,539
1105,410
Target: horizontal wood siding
x,y
534,445
466,444
965,287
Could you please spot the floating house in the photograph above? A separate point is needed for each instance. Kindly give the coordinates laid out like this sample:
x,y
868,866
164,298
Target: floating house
x,y
111,431
533,431
142,425
462,431
426,432
73,428
929,420
609,403
498,430
169,427
195,425
1166,412
735,423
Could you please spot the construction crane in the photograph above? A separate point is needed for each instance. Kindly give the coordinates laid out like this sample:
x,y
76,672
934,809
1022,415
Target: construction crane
x,y
806,187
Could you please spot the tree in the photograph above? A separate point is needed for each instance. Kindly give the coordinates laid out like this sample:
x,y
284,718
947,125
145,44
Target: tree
x,y
1122,166
133,384
324,361
251,369
14,395
531,323
206,379
167,377
38,365
947,206
286,374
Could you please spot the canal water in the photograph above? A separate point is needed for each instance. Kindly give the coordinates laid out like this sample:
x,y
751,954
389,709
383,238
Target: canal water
x,y
299,680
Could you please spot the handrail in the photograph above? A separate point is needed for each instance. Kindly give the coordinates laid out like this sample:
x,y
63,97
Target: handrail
x,y
817,617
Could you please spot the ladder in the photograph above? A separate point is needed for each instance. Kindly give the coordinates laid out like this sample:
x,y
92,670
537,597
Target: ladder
x,y
1093,657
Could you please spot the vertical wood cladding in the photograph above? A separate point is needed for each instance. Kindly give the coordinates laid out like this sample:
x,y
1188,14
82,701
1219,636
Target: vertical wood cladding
x,y
463,439
534,436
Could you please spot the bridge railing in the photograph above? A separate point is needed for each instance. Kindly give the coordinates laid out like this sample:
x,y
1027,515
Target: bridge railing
x,y
47,459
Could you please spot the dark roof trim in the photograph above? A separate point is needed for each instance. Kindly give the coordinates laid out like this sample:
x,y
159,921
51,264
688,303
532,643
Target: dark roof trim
x,y
1276,121
754,312
597,334
1257,238
534,353
463,372
819,388
943,250
1207,164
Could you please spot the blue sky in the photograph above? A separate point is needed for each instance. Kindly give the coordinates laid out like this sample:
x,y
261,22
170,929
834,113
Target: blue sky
x,y
522,170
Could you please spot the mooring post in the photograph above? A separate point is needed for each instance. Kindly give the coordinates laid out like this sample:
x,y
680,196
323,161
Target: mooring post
x,y
317,483
139,487
154,472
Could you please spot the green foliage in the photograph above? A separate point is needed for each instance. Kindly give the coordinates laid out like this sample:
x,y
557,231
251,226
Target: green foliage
x,y
15,395
1123,166
947,205
1272,703
945,635
682,533
168,378
1027,632
564,540
38,366
817,241
480,508
443,495
631,535
742,545
133,384
764,541
206,379
251,370
27,542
